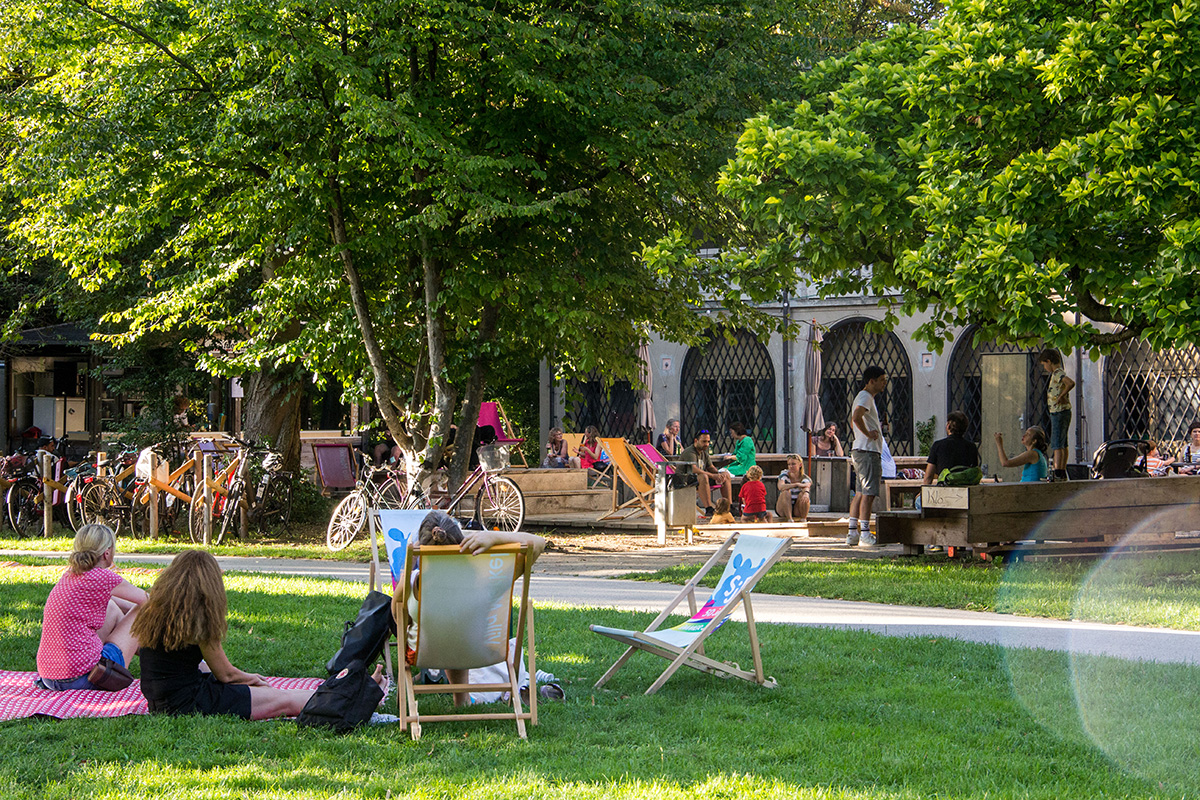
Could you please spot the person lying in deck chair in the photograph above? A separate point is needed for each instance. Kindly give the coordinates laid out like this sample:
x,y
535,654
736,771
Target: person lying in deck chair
x,y
439,528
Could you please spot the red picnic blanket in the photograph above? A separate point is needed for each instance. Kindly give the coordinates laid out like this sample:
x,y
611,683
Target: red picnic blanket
x,y
19,698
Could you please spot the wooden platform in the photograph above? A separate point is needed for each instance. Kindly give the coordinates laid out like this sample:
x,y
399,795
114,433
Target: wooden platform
x,y
818,525
1064,518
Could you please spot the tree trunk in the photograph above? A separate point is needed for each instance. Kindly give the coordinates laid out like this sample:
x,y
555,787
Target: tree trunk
x,y
273,410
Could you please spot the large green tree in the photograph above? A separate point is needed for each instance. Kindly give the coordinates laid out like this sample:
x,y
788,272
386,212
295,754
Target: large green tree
x,y
1028,166
421,192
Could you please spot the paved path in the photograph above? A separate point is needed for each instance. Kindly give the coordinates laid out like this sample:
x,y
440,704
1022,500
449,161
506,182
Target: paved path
x,y
553,586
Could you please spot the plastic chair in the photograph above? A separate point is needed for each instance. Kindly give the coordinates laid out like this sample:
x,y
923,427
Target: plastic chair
x,y
683,645
464,621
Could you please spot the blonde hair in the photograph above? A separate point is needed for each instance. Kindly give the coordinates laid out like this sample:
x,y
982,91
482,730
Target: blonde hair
x,y
754,473
187,604
91,542
793,457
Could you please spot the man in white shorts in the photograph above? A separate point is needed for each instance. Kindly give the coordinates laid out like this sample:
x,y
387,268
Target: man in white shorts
x,y
867,456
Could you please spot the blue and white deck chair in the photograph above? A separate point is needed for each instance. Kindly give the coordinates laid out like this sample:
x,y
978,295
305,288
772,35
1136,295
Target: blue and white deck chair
x,y
683,645
399,528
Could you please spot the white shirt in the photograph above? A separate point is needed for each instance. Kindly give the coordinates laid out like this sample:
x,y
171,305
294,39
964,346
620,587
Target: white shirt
x,y
870,420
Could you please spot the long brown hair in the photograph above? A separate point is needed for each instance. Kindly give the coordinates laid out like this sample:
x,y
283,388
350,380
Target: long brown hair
x,y
187,605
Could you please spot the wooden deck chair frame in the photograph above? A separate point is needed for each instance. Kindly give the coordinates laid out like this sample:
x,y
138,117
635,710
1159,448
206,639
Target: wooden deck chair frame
x,y
506,432
625,470
442,617
692,654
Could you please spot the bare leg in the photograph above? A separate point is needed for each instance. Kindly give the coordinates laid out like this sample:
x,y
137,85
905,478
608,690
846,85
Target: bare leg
x,y
864,507
726,485
122,636
267,702
800,507
704,491
112,618
459,676
783,506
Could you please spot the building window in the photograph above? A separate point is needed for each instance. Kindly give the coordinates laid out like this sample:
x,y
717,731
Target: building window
x,y
1151,394
728,381
613,409
846,351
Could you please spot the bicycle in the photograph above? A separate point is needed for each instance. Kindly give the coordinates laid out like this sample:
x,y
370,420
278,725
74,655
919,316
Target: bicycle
x,y
377,487
270,505
25,495
499,502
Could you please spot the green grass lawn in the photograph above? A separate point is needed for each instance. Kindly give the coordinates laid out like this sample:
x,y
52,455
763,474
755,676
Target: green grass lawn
x,y
301,541
856,716
1157,589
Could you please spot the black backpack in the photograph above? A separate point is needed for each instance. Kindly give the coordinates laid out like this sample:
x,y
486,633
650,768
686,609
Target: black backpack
x,y
344,701
365,637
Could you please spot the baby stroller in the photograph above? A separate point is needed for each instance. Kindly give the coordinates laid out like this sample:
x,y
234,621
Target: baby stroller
x,y
1121,458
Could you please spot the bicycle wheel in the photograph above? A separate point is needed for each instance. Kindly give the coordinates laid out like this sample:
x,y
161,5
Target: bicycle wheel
x,y
230,515
24,510
196,515
139,514
74,503
391,495
98,503
173,509
349,518
275,508
499,505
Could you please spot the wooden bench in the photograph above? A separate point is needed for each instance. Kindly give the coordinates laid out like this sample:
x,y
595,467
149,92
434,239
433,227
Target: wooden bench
x,y
1065,518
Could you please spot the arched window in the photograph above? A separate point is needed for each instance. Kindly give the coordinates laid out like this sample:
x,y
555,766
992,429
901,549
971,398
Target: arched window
x,y
725,382
965,384
846,351
613,410
1151,394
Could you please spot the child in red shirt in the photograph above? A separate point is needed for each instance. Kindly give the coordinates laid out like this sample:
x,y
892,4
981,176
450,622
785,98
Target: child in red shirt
x,y
754,497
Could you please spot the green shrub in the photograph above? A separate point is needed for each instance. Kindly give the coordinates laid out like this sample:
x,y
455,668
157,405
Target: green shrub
x,y
308,504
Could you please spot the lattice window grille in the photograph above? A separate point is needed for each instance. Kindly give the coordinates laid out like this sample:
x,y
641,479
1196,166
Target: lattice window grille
x,y
612,410
965,392
846,351
722,383
1151,394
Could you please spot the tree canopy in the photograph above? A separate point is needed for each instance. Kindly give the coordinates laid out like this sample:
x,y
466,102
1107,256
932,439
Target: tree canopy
x,y
1027,166
414,192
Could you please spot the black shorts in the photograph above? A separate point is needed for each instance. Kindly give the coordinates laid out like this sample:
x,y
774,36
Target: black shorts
x,y
211,698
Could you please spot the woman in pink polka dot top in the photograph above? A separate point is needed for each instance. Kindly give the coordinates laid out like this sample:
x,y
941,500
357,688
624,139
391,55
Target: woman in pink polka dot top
x,y
89,614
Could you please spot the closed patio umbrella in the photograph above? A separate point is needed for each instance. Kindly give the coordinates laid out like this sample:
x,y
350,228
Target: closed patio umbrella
x,y
645,405
814,419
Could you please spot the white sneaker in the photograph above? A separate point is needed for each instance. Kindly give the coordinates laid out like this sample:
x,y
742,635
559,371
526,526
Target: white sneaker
x,y
851,538
869,540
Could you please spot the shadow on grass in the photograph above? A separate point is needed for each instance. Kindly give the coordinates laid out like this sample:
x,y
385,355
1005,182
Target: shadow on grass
x,y
856,715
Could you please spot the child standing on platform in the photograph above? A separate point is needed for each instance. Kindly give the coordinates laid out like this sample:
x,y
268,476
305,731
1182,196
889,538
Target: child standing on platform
x,y
1058,398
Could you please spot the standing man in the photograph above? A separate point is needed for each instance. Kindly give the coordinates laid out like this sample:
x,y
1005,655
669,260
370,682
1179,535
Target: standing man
x,y
700,461
867,456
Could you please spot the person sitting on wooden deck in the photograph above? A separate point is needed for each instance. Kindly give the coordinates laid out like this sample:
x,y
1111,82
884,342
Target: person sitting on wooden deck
x,y
953,451
794,485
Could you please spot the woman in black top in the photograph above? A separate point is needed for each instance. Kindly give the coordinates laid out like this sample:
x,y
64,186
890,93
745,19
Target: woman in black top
x,y
184,667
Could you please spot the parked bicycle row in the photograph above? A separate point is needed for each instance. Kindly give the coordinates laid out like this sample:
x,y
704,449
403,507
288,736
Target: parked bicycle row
x,y
139,493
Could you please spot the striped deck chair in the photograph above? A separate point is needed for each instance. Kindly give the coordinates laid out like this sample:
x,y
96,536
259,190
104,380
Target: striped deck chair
x,y
683,645
626,471
464,621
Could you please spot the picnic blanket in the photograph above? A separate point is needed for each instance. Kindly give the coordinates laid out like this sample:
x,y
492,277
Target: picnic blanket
x,y
20,698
